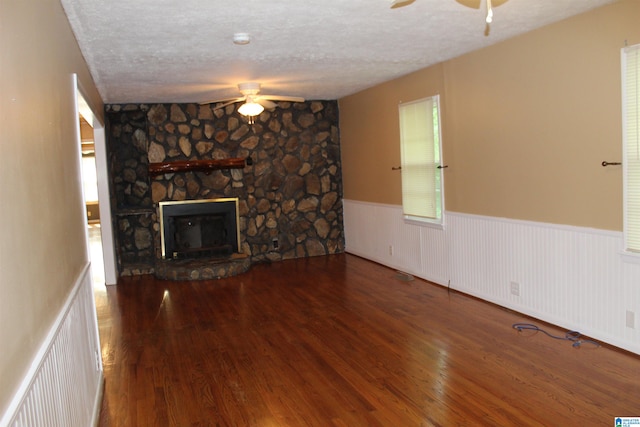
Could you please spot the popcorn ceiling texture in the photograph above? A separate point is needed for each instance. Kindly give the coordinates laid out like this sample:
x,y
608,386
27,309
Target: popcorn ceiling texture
x,y
162,52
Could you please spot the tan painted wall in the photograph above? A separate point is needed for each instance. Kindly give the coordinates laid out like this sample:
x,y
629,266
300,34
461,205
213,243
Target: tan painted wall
x,y
41,253
526,124
369,135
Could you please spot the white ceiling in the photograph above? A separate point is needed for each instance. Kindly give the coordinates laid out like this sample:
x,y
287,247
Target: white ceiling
x,y
147,51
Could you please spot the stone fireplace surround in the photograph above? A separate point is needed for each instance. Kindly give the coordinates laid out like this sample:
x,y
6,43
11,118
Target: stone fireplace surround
x,y
289,192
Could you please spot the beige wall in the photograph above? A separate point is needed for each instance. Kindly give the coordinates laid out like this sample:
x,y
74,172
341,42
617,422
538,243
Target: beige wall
x,y
526,124
41,253
369,135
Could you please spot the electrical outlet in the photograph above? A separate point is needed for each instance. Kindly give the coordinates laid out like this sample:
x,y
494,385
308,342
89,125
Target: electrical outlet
x,y
631,319
275,244
390,249
515,289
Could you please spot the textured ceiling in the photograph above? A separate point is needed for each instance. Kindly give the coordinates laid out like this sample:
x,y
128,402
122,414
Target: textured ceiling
x,y
182,51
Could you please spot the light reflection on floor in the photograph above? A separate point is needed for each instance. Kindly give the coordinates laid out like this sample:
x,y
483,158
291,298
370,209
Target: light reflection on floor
x,y
95,252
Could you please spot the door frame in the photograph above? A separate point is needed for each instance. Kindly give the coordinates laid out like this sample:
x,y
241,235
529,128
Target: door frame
x,y
102,171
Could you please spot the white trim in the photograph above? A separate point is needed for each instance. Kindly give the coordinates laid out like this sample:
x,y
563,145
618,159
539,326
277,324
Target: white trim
x,y
106,226
437,224
629,173
418,140
102,172
97,402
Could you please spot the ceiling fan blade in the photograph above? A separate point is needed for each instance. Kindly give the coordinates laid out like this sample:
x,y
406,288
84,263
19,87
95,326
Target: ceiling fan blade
x,y
266,103
233,101
282,98
400,3
227,101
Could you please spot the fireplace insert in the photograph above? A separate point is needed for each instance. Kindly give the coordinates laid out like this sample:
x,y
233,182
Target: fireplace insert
x,y
199,228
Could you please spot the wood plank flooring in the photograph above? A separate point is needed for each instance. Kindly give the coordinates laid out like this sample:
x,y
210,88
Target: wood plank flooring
x,y
340,341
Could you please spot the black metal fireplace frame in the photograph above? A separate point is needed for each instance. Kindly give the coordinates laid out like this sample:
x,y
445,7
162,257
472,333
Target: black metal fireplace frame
x,y
172,209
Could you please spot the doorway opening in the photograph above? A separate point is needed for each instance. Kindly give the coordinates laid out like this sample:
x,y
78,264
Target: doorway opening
x,y
92,203
100,242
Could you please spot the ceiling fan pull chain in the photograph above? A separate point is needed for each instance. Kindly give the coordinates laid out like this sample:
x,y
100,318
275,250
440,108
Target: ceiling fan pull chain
x,y
489,12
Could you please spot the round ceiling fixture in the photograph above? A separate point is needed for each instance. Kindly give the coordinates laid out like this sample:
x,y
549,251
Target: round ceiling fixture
x,y
241,38
250,108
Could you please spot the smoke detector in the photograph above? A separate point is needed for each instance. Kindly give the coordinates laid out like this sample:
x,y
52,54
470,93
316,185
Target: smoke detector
x,y
241,38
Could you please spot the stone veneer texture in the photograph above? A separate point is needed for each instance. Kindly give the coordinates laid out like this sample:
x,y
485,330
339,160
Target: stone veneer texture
x,y
292,192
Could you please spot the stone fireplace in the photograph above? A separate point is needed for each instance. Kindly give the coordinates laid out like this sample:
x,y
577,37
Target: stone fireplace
x,y
284,170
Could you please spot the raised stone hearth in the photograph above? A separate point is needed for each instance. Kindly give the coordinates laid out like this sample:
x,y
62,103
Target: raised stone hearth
x,y
202,269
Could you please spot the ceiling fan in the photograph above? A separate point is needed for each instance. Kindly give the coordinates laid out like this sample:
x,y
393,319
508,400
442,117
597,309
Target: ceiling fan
x,y
254,103
475,4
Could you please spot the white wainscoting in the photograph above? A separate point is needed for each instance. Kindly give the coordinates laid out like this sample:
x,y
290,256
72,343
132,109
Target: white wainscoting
x,y
573,277
64,384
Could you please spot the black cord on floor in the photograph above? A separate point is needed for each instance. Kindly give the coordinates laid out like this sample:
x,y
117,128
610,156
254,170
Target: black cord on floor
x,y
573,336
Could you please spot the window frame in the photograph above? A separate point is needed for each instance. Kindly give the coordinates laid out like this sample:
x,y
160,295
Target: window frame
x,y
631,211
438,222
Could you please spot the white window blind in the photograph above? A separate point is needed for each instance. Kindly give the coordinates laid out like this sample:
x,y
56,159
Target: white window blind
x,y
631,142
420,155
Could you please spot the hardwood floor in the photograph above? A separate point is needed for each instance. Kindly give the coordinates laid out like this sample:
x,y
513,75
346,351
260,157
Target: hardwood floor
x,y
340,341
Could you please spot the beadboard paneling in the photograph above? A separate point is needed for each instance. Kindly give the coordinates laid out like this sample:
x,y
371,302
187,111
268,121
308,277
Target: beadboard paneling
x,y
64,385
574,277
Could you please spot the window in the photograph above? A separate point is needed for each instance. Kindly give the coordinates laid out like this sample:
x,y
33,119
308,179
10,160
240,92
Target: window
x,y
420,145
631,145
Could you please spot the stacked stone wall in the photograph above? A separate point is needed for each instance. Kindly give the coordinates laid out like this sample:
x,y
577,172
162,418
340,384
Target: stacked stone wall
x,y
291,192
133,212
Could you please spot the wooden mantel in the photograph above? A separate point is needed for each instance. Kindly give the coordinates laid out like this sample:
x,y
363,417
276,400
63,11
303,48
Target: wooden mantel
x,y
197,165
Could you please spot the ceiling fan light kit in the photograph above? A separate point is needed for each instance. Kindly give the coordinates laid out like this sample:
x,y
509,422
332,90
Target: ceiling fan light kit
x,y
254,104
250,109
